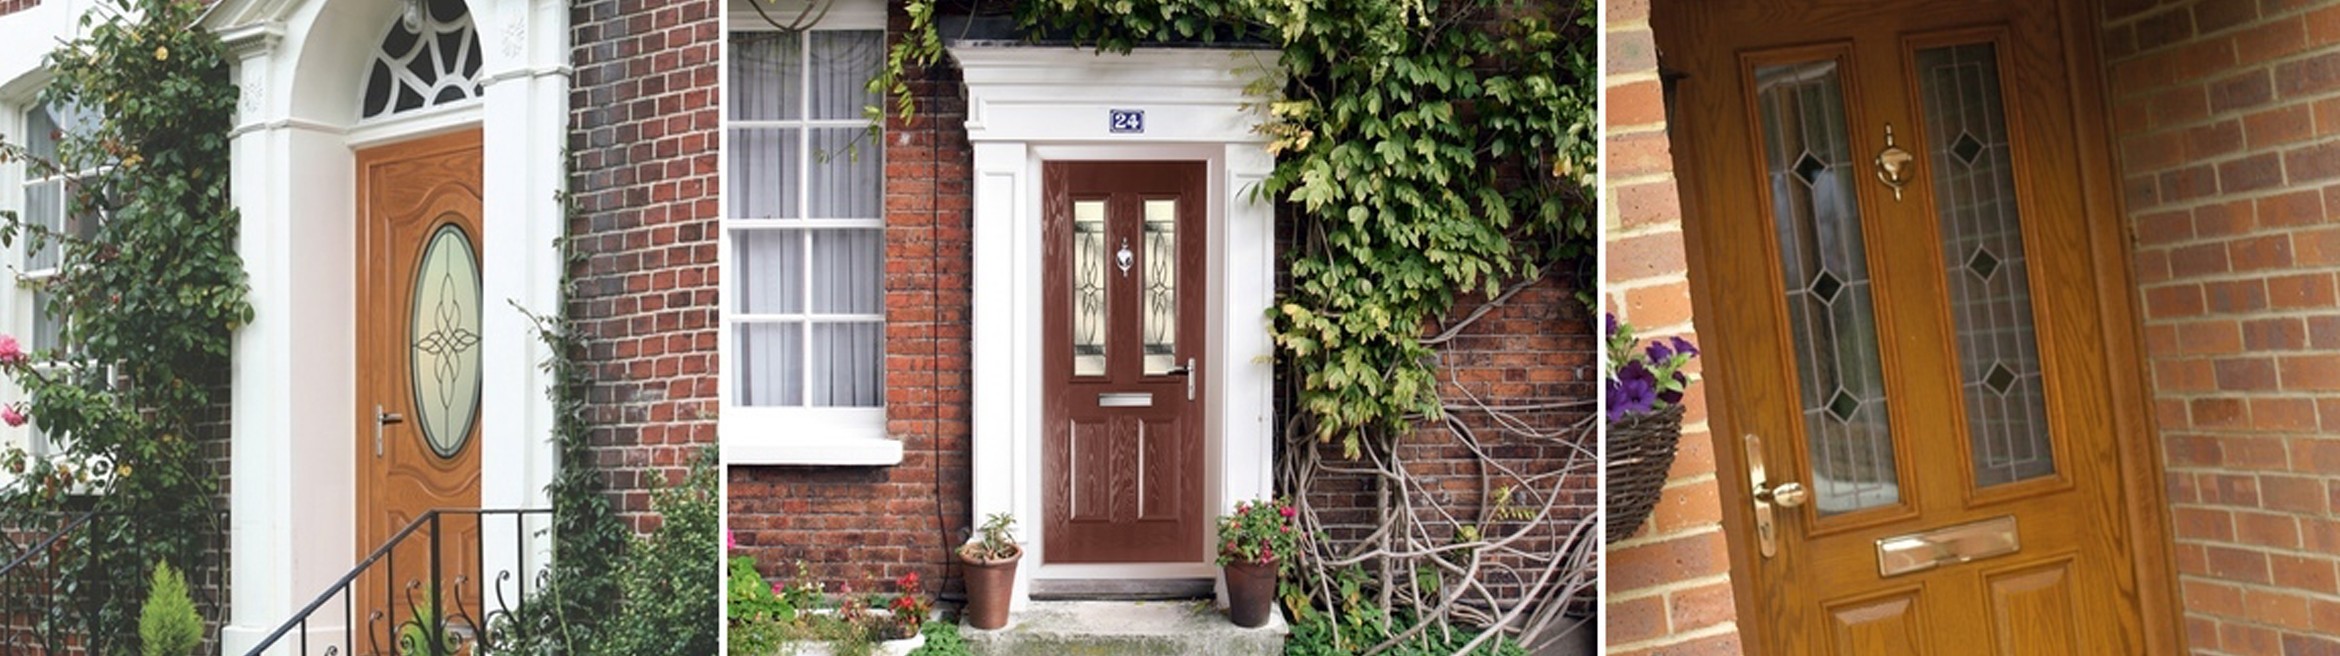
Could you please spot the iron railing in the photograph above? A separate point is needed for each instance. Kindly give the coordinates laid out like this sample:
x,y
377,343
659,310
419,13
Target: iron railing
x,y
59,596
436,609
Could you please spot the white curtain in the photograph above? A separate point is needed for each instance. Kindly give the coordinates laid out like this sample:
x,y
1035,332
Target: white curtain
x,y
811,295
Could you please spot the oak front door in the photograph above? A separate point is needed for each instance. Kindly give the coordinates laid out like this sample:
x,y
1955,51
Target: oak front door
x,y
1917,321
418,389
1123,337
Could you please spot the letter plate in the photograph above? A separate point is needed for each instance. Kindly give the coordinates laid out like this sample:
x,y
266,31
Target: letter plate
x,y
1918,552
1126,400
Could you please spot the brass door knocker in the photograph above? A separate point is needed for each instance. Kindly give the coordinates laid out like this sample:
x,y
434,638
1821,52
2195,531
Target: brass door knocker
x,y
1893,164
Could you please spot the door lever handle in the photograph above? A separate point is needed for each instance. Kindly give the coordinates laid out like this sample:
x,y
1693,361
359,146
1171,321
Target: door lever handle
x,y
1188,372
383,418
1768,497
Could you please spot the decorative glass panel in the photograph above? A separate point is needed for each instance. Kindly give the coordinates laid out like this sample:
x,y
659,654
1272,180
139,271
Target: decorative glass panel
x,y
1830,308
1161,286
1088,288
445,340
771,364
1990,282
430,57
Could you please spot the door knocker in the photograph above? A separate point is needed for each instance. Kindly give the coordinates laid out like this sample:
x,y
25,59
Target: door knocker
x,y
1124,258
1893,164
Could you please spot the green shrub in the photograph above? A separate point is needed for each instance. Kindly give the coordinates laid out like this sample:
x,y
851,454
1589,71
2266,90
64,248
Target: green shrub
x,y
942,639
668,578
167,624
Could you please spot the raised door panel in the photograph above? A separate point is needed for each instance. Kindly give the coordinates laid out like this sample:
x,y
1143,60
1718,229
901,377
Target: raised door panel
x,y
1890,625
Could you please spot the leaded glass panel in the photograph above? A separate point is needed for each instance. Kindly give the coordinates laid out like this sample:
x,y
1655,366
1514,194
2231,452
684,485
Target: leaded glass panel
x,y
1089,288
1160,286
1989,276
1830,307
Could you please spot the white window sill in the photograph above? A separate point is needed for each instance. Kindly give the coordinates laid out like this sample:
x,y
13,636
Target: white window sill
x,y
834,438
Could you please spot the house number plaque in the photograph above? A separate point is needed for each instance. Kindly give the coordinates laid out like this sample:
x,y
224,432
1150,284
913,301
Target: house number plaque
x,y
1127,121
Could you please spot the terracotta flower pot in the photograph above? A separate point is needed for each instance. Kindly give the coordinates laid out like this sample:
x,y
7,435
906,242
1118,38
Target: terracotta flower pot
x,y
1251,593
990,585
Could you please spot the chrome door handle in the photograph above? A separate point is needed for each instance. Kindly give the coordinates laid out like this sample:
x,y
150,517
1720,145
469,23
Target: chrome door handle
x,y
1767,497
383,418
1188,372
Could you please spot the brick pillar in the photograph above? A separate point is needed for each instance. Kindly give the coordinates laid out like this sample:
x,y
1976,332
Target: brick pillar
x,y
1669,586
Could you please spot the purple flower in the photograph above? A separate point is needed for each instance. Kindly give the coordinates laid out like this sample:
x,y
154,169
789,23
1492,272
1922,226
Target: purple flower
x,y
1674,396
1659,353
1612,323
1684,347
1634,390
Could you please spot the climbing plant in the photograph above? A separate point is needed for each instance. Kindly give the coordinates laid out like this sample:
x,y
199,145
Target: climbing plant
x,y
1429,154
149,291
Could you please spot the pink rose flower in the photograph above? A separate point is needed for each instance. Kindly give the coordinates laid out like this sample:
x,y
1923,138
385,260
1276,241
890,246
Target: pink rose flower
x,y
10,352
1287,512
13,415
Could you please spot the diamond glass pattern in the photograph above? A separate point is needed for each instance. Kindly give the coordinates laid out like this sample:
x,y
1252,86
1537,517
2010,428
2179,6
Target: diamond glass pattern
x,y
1998,356
1824,262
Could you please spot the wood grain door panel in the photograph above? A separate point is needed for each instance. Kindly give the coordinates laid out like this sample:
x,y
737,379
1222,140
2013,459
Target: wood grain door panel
x,y
1123,481
1859,353
411,194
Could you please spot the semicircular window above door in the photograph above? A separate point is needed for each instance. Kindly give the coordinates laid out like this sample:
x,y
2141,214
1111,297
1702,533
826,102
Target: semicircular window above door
x,y
444,344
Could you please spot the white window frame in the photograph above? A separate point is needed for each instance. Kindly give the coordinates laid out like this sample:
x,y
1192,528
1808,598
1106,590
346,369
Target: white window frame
x,y
23,317
800,435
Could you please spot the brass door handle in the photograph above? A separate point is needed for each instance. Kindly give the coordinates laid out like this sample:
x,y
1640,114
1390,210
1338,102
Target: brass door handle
x,y
1768,497
1893,164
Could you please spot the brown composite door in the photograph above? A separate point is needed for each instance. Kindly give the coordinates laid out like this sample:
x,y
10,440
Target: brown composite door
x,y
1921,387
418,387
1123,281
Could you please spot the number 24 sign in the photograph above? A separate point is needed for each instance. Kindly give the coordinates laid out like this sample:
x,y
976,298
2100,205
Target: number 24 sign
x,y
1128,121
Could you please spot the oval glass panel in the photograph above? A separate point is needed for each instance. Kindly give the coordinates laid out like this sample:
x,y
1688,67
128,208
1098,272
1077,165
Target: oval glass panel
x,y
444,340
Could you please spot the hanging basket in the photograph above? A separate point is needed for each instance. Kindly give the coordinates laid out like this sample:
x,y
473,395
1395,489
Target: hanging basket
x,y
1641,451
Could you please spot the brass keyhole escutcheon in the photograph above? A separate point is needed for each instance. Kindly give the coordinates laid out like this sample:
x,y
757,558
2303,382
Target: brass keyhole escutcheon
x,y
1894,164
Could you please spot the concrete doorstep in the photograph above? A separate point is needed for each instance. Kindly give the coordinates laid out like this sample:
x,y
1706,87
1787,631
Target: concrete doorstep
x,y
1140,628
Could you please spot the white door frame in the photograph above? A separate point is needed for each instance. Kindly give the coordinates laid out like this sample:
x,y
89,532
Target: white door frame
x,y
1029,105
300,65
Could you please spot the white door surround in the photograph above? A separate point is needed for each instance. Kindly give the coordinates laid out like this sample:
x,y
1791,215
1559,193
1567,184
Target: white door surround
x,y
1027,105
300,67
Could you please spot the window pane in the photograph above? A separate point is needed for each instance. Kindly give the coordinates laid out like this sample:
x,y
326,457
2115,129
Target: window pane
x,y
844,174
843,63
1990,283
769,266
48,332
44,207
1825,265
764,173
771,364
1161,286
1088,292
846,270
766,76
845,364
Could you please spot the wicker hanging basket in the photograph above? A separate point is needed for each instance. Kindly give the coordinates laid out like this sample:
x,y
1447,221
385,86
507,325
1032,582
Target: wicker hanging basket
x,y
1641,451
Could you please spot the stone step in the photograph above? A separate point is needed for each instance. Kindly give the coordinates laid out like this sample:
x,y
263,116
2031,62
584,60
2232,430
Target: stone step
x,y
1136,628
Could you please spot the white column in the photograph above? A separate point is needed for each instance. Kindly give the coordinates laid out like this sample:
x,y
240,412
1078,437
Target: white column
x,y
524,116
293,380
1245,371
1000,462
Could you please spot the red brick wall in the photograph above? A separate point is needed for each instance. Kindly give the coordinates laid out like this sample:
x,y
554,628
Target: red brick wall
x,y
863,525
12,6
643,141
2225,116
1669,586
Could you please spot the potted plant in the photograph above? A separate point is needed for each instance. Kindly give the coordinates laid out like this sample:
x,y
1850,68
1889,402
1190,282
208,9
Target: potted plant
x,y
1645,384
990,557
1255,543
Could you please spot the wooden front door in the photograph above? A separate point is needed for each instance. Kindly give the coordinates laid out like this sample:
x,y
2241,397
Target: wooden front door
x,y
418,388
1123,338
1913,295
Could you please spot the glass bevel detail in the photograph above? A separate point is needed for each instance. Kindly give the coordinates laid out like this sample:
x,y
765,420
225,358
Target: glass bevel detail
x,y
1990,290
445,337
1816,217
